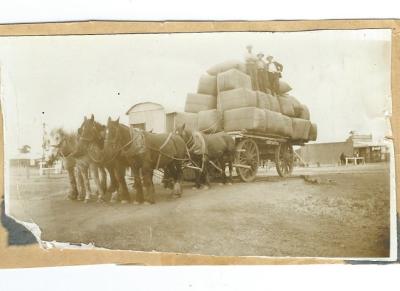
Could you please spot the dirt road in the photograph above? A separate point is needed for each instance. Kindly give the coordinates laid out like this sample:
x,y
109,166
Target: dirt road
x,y
338,212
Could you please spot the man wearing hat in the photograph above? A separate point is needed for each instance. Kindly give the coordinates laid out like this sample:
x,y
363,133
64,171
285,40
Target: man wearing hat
x,y
274,70
261,72
251,67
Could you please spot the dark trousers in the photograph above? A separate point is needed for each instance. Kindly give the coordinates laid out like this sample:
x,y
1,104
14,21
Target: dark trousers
x,y
274,82
261,79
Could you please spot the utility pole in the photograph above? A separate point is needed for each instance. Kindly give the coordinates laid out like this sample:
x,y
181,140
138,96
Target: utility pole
x,y
44,141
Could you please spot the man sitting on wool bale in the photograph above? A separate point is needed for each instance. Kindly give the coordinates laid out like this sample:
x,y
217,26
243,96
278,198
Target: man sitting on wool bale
x,y
274,70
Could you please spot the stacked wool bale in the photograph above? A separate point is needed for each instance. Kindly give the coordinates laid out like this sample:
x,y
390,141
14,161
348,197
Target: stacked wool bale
x,y
225,101
303,129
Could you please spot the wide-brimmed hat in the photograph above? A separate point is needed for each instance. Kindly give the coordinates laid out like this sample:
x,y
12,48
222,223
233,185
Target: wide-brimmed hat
x,y
269,57
260,54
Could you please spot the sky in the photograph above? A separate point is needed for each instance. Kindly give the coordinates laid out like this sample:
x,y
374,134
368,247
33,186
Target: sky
x,y
342,76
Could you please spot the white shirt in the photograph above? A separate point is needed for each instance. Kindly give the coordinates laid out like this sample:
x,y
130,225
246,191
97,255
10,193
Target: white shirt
x,y
270,66
250,58
260,64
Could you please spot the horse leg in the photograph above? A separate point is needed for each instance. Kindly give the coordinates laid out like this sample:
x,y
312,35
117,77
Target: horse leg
x,y
138,185
148,184
222,166
113,180
198,173
73,193
230,165
205,174
95,171
103,182
85,176
179,176
80,183
123,192
206,178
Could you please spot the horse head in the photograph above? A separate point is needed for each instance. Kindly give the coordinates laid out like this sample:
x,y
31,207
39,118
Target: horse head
x,y
90,132
60,143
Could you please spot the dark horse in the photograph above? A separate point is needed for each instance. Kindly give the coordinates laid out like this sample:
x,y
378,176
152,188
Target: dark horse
x,y
207,150
117,140
91,145
150,151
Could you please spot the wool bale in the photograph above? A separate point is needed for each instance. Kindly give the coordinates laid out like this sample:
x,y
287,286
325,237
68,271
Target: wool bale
x,y
304,112
287,129
189,119
263,101
250,118
225,66
284,87
286,106
301,129
210,121
198,102
274,103
207,85
273,122
233,79
236,98
297,106
313,132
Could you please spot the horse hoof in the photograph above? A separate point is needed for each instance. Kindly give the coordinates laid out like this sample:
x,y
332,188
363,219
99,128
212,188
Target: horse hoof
x,y
124,201
206,188
230,184
220,184
136,203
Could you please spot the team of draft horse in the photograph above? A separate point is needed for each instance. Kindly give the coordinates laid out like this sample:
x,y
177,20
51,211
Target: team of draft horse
x,y
115,147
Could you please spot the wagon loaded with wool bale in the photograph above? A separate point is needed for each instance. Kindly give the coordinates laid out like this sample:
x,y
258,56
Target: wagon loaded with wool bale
x,y
265,127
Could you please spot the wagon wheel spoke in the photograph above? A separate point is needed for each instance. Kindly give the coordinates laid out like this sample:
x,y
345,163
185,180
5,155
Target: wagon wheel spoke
x,y
284,159
247,155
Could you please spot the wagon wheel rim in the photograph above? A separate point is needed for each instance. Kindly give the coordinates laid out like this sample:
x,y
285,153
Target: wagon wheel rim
x,y
247,154
284,160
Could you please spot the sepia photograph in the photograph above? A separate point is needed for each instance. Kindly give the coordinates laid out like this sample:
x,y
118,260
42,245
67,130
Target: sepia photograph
x,y
270,144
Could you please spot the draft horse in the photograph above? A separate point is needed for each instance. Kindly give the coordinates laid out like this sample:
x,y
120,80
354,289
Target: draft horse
x,y
216,150
149,151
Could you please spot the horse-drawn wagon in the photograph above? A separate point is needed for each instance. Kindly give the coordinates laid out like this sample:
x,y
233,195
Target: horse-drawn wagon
x,y
255,148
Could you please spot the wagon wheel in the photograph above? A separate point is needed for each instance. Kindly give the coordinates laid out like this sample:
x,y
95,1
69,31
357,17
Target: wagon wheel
x,y
247,160
284,158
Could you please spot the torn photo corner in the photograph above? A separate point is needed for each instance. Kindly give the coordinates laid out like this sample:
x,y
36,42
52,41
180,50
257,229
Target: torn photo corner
x,y
264,144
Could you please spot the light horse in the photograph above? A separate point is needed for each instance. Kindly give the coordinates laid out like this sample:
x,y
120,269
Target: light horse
x,y
152,151
216,150
62,145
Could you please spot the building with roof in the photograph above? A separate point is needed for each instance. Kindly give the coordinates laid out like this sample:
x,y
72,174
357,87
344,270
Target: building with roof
x,y
356,145
148,116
